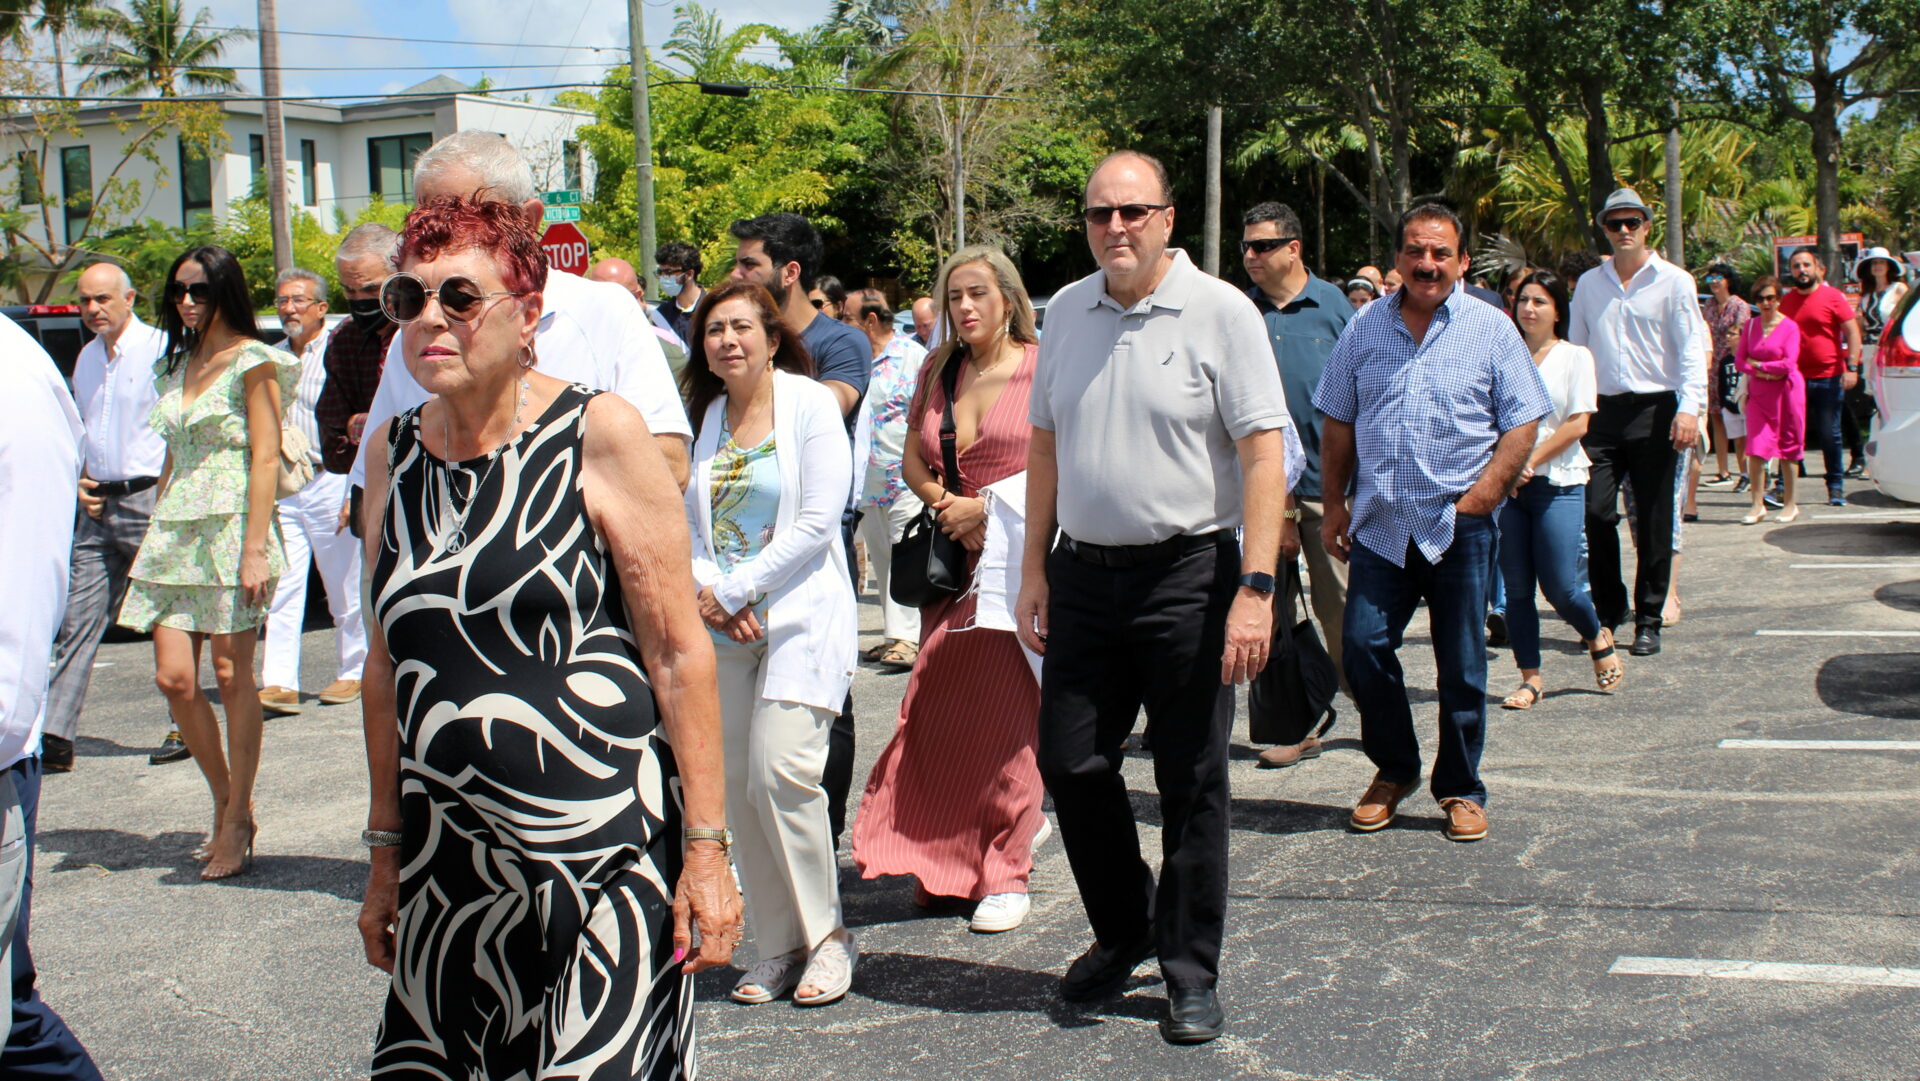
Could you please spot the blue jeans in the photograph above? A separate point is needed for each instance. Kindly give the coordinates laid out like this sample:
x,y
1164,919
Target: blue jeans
x,y
1541,530
1824,397
1380,601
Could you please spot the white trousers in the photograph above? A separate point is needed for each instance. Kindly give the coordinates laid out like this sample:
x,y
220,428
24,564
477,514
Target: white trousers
x,y
880,527
308,519
782,844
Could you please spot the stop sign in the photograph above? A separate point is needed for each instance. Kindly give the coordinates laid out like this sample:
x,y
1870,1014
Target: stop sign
x,y
566,248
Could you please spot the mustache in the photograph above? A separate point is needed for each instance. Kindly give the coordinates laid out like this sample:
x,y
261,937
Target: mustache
x,y
1426,275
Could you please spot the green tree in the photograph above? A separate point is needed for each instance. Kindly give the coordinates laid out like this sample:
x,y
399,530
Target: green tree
x,y
154,46
56,18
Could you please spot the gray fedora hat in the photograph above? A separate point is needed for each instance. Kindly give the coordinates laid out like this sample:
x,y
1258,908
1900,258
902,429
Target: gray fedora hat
x,y
1622,199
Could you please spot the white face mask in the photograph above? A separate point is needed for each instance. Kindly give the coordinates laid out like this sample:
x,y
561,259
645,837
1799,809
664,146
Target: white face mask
x,y
670,287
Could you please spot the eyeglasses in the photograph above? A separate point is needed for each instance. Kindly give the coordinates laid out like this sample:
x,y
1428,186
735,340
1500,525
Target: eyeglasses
x,y
1623,225
1767,298
1265,244
817,302
1712,278
1130,213
672,271
178,291
403,297
298,304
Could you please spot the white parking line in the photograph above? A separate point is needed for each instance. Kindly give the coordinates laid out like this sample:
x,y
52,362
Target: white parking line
x,y
1858,975
1854,566
1822,744
1841,634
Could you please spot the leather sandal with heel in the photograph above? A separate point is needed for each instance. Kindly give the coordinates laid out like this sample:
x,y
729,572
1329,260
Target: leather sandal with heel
x,y
1516,701
1608,676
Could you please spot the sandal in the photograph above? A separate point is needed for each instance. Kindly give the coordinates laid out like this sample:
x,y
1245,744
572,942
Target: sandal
x,y
830,969
768,979
1608,676
1514,701
900,655
871,655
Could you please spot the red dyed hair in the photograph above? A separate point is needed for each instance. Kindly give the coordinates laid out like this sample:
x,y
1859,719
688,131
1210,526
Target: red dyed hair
x,y
497,229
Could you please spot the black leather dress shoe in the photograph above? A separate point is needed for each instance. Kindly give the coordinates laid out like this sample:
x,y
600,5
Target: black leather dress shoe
x,y
1194,1015
1100,972
1646,641
172,749
56,755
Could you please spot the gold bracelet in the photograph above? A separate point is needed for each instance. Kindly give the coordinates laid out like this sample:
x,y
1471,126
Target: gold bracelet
x,y
723,837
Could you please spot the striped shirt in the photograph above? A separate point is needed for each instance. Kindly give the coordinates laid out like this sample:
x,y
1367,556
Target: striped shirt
x,y
313,379
1425,415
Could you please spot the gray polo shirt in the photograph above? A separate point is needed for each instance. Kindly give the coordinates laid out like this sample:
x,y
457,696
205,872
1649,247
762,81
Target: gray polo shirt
x,y
1146,403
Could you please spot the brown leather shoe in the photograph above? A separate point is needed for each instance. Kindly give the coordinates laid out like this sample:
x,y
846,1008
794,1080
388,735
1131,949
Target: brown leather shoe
x,y
280,700
1282,757
1466,820
340,692
1377,806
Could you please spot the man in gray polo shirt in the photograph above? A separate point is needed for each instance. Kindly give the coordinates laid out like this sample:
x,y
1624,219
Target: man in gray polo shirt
x,y
1158,428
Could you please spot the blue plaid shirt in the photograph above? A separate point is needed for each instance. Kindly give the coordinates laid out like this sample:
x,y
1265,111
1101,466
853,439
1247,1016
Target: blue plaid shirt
x,y
1426,417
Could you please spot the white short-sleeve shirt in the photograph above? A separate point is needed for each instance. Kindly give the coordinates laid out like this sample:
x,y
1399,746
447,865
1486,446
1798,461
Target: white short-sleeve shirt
x,y
1567,370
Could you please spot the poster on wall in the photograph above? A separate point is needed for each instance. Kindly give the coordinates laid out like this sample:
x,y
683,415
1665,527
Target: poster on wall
x,y
1851,245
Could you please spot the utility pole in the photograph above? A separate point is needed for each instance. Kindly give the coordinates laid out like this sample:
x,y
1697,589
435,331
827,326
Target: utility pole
x,y
960,181
1676,235
276,185
1210,254
643,151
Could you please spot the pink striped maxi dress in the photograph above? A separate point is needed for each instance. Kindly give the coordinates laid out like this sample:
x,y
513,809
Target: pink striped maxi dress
x,y
955,798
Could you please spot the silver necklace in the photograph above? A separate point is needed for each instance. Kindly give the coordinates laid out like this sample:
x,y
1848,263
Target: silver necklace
x,y
456,539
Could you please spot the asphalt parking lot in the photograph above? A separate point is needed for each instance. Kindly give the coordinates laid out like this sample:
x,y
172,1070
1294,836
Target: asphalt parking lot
x,y
1653,902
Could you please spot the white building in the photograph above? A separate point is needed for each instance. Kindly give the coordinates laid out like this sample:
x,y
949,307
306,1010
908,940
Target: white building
x,y
338,157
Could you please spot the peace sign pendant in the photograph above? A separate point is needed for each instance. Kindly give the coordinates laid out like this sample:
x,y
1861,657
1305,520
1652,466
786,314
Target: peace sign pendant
x,y
456,541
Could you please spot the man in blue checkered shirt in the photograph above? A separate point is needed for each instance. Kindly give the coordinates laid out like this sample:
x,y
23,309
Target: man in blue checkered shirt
x,y
1434,396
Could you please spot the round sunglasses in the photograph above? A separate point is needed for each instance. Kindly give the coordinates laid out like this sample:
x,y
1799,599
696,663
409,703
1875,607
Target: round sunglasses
x,y
403,297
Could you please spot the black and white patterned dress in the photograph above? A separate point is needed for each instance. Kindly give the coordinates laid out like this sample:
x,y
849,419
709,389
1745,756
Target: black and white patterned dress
x,y
539,798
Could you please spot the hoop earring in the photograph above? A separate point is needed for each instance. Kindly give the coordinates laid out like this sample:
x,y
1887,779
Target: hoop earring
x,y
527,357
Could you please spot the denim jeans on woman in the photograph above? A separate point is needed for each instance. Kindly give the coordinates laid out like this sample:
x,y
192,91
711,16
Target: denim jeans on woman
x,y
1542,530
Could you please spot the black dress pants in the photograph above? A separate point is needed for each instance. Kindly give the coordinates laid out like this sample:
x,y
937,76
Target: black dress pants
x,y
837,777
1631,435
1120,639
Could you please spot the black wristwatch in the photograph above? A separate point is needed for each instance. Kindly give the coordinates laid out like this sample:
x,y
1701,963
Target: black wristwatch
x,y
1258,582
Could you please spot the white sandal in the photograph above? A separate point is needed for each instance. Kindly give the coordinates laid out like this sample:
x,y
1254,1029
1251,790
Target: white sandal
x,y
768,979
830,969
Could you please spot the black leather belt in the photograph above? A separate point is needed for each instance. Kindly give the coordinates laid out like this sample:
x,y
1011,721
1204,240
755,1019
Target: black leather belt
x,y
1123,556
109,489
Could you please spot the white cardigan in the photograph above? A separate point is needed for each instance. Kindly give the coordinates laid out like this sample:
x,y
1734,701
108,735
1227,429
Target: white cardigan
x,y
812,625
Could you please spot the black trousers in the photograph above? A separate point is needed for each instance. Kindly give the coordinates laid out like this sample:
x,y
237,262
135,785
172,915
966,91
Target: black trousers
x,y
837,777
1120,639
1631,435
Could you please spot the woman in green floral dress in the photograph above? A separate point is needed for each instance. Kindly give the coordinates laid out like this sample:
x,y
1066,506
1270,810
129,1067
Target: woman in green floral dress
x,y
212,554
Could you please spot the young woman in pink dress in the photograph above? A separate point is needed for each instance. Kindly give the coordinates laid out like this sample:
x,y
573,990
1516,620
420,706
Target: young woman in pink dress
x,y
1768,352
954,800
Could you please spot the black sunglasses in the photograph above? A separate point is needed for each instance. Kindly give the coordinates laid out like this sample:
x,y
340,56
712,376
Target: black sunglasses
x,y
1623,225
1130,213
817,302
403,298
1764,297
1265,244
178,291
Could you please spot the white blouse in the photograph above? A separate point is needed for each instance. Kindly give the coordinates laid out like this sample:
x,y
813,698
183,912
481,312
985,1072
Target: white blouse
x,y
1567,370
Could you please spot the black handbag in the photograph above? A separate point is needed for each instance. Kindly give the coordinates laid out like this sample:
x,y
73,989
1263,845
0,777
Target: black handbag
x,y
1296,688
928,565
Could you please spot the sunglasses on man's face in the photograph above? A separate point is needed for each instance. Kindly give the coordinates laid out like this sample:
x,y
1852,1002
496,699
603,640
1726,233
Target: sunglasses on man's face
x,y
1265,244
1624,225
178,291
403,297
1130,213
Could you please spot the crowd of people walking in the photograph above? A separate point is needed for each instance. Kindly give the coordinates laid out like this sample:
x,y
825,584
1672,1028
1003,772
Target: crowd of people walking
x,y
610,620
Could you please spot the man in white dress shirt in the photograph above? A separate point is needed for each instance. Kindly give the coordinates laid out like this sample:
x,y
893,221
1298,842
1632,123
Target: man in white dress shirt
x,y
122,459
310,522
590,332
41,448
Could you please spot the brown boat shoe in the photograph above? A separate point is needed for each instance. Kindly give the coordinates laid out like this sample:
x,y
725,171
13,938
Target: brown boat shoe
x,y
1282,757
1378,804
1466,820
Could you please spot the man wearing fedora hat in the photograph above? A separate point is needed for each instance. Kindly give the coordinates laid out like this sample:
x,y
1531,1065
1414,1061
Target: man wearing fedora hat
x,y
1640,317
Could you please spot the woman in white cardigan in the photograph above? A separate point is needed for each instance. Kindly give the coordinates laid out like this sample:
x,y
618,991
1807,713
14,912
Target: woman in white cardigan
x,y
771,473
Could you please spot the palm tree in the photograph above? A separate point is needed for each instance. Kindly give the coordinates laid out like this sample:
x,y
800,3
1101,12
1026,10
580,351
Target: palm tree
x,y
153,46
56,18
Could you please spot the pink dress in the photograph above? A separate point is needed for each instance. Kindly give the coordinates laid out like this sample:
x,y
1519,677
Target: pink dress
x,y
1776,409
954,800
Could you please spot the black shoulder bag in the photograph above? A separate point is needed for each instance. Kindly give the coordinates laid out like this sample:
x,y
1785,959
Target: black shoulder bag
x,y
928,565
1296,688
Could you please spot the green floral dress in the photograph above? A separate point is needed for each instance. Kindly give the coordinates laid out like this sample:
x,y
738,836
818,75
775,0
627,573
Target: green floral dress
x,y
187,575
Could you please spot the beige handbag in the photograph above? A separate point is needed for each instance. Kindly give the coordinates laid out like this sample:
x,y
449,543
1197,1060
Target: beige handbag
x,y
296,462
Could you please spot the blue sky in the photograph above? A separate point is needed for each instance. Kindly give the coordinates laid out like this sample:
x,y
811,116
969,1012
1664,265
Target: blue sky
x,y
374,67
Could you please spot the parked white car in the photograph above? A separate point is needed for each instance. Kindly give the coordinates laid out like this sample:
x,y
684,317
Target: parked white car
x,y
1893,453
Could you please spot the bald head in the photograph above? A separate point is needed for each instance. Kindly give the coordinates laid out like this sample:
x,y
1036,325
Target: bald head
x,y
1372,274
106,300
619,272
923,320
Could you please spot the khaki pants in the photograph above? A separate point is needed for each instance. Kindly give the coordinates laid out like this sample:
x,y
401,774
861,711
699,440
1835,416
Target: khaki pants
x,y
1327,582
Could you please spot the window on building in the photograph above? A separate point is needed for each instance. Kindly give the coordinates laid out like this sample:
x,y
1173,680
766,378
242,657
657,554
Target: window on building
x,y
309,163
390,164
196,185
570,150
76,186
29,179
257,153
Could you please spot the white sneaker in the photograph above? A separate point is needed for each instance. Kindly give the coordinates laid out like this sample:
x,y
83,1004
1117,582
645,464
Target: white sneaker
x,y
1000,912
1040,835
